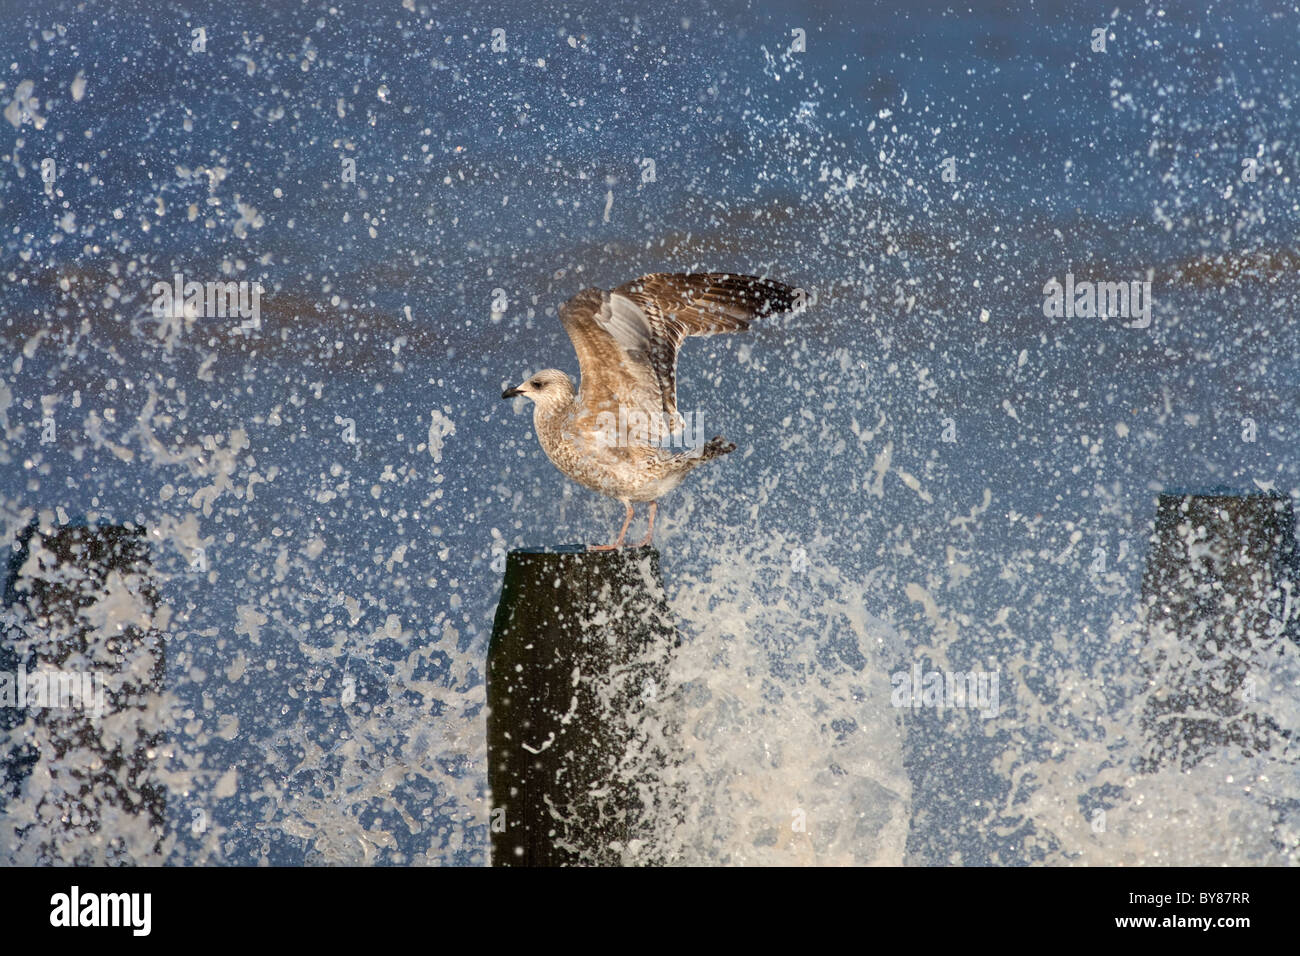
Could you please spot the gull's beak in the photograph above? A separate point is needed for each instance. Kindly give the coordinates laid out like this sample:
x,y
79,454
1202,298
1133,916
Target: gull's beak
x,y
511,393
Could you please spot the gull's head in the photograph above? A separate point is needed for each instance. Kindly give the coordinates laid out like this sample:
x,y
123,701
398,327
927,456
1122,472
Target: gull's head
x,y
549,388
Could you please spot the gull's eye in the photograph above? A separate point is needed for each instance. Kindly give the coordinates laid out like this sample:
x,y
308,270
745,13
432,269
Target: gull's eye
x,y
538,384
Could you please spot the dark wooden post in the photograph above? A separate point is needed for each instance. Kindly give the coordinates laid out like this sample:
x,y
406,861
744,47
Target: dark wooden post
x,y
1214,599
98,755
578,658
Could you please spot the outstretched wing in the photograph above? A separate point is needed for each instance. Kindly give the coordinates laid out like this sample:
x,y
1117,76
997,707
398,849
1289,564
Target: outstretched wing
x,y
627,339
612,338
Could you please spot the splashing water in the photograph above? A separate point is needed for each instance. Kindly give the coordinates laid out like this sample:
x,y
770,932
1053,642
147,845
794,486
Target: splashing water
x,y
928,464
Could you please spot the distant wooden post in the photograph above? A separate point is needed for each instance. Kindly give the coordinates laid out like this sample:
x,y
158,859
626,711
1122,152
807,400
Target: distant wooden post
x,y
78,698
1220,587
579,651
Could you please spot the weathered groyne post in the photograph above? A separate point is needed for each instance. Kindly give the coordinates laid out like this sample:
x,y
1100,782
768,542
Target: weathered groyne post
x,y
1221,587
81,678
578,658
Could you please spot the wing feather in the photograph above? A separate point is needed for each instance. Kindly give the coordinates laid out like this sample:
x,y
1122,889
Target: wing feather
x,y
627,339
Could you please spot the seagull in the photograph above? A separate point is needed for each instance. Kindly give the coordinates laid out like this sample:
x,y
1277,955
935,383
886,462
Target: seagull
x,y
627,341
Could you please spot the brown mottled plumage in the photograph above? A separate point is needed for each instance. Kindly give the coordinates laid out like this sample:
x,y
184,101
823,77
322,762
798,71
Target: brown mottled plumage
x,y
627,341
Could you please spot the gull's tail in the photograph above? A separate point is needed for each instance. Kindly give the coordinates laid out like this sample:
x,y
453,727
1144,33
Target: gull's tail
x,y
716,447
688,461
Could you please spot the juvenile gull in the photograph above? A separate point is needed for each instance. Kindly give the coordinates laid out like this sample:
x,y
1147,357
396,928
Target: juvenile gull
x,y
627,341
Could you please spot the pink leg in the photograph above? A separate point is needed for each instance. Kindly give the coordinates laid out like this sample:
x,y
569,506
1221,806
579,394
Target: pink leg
x,y
618,543
649,532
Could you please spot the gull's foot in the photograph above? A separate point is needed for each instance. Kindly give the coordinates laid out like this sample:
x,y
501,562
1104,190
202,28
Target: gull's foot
x,y
602,547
